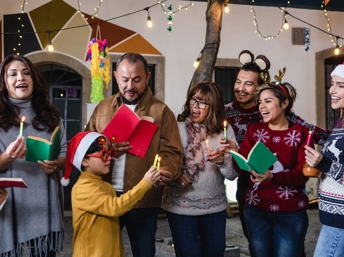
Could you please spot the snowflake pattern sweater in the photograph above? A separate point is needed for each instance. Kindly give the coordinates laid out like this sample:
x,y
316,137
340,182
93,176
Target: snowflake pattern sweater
x,y
331,188
284,193
241,118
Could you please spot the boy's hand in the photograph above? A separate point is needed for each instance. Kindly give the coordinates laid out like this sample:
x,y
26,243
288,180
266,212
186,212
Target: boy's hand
x,y
152,175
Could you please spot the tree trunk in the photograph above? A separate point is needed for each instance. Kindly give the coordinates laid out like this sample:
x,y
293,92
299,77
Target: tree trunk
x,y
204,71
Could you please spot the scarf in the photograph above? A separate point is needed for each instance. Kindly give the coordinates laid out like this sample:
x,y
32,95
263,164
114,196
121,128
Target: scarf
x,y
193,159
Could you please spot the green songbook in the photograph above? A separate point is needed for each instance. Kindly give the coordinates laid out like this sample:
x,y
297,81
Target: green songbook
x,y
40,149
259,159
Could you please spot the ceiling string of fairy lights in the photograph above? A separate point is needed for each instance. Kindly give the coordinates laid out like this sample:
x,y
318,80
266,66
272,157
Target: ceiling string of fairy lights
x,y
95,8
334,38
285,25
22,6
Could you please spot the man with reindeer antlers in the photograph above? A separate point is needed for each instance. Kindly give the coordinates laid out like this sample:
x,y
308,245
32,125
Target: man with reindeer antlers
x,y
244,111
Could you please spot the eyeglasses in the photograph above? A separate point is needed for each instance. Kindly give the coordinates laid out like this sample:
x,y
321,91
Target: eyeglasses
x,y
200,104
104,154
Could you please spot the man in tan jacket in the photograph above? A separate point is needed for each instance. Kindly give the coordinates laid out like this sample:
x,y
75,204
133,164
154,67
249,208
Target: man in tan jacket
x,y
132,76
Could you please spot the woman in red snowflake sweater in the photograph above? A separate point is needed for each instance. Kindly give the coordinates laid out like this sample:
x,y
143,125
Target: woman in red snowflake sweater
x,y
275,210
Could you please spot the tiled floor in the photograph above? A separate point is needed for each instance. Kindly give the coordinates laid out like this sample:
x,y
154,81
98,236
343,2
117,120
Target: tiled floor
x,y
234,235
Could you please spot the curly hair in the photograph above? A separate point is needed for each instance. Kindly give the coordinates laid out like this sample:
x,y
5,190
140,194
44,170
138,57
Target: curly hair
x,y
212,94
47,116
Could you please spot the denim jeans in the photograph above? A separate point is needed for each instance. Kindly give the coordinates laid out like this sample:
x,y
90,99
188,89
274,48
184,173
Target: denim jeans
x,y
198,236
330,242
141,225
278,234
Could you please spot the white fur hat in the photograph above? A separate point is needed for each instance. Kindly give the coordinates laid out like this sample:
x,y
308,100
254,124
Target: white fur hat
x,y
338,71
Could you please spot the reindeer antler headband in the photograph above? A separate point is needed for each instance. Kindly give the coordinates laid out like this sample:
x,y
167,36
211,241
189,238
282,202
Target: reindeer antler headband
x,y
278,78
247,57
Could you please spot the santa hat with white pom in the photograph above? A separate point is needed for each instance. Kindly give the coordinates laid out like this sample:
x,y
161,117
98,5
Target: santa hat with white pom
x,y
76,151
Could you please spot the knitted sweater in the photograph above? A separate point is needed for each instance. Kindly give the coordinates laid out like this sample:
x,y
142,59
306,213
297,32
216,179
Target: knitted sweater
x,y
207,194
284,193
331,188
35,212
241,118
96,209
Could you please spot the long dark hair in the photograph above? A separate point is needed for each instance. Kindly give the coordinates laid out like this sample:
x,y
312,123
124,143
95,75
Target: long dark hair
x,y
213,95
47,116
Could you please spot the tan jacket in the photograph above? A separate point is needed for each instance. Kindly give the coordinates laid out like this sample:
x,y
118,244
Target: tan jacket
x,y
166,142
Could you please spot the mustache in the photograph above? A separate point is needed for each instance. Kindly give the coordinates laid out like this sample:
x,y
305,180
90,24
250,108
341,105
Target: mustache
x,y
240,91
130,91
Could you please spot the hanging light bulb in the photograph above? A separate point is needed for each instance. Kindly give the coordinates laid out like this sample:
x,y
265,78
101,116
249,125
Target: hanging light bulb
x,y
337,50
196,63
226,9
50,45
149,22
285,24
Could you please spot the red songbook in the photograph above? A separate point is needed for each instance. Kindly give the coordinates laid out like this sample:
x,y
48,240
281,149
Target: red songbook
x,y
12,182
127,126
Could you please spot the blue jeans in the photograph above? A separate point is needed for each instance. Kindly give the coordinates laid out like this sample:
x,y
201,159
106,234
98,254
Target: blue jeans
x,y
330,242
141,225
278,234
198,236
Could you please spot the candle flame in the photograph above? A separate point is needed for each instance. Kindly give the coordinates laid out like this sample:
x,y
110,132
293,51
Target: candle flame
x,y
206,141
159,158
23,118
310,132
225,123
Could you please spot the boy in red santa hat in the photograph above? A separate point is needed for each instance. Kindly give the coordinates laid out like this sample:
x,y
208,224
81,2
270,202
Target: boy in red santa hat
x,y
95,206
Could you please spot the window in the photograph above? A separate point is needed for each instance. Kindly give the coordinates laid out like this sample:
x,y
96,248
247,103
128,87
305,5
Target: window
x,y
225,77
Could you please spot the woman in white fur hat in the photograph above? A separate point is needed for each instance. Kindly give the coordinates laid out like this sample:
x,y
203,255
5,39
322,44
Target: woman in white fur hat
x,y
331,190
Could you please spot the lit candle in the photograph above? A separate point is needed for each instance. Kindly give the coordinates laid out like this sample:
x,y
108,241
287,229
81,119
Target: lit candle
x,y
21,127
225,130
309,137
158,163
207,146
155,160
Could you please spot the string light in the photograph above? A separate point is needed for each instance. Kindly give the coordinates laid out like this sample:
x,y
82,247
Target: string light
x,y
149,20
50,45
337,50
285,24
170,13
96,9
196,63
179,8
226,9
23,6
268,37
329,29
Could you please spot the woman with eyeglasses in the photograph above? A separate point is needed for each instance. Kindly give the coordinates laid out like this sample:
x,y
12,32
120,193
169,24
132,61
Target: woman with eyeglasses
x,y
275,209
196,203
95,205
